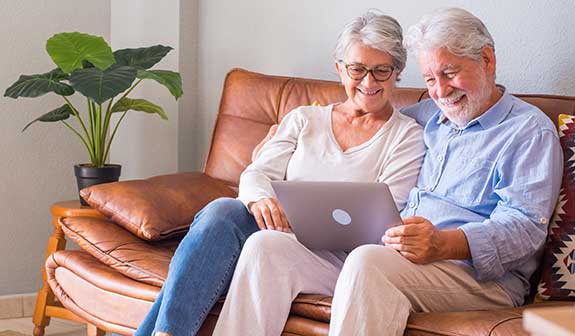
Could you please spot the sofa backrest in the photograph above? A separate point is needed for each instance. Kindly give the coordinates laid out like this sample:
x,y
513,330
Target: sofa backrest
x,y
252,102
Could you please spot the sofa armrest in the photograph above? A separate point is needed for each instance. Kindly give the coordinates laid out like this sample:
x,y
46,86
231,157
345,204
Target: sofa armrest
x,y
74,209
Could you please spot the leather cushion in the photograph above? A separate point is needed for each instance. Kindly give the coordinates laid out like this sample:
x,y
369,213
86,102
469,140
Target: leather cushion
x,y
117,248
159,207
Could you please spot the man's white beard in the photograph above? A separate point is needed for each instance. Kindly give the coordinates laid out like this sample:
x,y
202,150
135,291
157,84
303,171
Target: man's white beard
x,y
463,113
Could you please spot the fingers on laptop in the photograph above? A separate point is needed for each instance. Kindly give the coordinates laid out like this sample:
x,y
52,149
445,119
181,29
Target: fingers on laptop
x,y
269,215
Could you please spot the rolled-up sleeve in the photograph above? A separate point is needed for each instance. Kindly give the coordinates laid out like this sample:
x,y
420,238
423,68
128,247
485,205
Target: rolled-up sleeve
x,y
527,185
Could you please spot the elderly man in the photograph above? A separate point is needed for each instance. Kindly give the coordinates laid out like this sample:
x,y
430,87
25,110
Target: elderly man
x,y
476,221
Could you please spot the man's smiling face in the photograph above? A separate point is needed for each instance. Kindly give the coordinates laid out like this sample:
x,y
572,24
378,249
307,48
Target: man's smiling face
x,y
462,87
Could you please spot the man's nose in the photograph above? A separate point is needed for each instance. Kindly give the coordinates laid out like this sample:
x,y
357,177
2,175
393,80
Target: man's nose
x,y
443,89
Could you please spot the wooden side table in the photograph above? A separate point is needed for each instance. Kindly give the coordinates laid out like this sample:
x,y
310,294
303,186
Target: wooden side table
x,y
46,304
550,321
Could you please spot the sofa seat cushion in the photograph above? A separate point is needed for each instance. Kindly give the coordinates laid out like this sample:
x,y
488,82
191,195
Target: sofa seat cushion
x,y
501,322
78,280
97,293
491,322
159,207
114,246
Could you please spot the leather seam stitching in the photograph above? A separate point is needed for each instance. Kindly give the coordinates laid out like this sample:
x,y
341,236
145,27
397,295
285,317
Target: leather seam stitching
x,y
503,321
106,255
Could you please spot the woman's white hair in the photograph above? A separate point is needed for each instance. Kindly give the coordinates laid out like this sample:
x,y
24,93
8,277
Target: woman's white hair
x,y
462,33
373,30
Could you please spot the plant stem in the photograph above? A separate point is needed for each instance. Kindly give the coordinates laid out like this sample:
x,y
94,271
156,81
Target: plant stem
x,y
113,134
90,151
77,115
131,88
107,122
109,116
98,133
90,117
92,126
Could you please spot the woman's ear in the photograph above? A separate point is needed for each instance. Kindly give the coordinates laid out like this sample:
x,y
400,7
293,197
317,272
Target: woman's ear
x,y
340,71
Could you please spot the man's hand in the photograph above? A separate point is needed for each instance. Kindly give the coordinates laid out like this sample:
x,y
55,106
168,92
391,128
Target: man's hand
x,y
270,215
421,242
267,138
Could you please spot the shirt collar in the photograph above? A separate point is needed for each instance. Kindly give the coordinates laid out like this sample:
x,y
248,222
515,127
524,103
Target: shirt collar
x,y
493,116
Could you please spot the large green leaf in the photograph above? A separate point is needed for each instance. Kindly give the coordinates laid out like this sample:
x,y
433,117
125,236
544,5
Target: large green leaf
x,y
141,58
61,113
141,105
40,84
102,85
169,79
68,50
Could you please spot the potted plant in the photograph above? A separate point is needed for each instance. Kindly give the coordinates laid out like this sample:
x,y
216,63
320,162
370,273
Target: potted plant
x,y
86,65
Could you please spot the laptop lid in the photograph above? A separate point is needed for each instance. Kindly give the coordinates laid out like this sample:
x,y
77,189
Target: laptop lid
x,y
337,215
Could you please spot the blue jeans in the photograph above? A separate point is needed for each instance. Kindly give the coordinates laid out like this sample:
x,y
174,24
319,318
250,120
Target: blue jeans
x,y
201,269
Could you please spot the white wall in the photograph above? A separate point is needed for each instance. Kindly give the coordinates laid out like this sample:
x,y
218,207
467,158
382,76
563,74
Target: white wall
x,y
535,44
36,167
146,145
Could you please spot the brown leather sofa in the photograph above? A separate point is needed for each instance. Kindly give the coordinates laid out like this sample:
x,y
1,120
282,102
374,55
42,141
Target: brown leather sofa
x,y
115,276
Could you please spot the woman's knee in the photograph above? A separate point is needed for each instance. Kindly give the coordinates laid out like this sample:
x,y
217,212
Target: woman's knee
x,y
225,206
268,243
226,214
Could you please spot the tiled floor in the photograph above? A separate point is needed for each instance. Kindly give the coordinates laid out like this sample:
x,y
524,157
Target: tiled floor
x,y
57,327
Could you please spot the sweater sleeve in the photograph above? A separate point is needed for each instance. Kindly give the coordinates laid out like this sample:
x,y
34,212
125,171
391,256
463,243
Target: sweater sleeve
x,y
404,162
271,163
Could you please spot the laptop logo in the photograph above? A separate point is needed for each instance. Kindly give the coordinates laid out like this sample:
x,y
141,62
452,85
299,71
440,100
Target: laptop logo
x,y
341,216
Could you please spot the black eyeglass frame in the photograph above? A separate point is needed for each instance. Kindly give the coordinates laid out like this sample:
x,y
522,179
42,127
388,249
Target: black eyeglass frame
x,y
367,71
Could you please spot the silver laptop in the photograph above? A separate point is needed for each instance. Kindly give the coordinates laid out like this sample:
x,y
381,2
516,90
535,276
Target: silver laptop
x,y
337,215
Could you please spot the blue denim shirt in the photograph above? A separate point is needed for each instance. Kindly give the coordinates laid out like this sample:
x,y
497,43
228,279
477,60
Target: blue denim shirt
x,y
497,179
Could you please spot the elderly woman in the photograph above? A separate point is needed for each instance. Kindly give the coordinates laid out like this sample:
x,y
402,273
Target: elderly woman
x,y
361,139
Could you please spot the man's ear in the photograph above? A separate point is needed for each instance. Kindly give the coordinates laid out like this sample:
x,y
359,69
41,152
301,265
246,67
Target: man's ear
x,y
488,58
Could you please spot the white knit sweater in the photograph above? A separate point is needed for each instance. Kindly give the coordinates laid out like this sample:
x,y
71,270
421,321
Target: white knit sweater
x,y
304,149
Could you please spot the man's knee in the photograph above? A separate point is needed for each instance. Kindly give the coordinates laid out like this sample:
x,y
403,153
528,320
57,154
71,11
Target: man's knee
x,y
366,258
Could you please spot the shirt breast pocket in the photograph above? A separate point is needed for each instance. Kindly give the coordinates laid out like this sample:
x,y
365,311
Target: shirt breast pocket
x,y
469,182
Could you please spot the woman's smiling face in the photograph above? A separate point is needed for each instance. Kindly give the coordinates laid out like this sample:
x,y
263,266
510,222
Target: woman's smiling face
x,y
367,94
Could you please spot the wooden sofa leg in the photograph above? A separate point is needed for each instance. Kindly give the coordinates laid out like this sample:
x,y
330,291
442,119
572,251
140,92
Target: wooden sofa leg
x,y
92,330
39,330
44,298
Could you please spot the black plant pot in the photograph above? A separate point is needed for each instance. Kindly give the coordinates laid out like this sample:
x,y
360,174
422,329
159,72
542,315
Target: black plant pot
x,y
87,175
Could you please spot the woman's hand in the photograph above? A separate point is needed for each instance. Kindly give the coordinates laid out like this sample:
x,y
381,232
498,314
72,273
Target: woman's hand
x,y
270,215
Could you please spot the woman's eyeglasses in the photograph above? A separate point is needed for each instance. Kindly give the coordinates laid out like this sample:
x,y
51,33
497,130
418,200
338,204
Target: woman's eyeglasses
x,y
357,71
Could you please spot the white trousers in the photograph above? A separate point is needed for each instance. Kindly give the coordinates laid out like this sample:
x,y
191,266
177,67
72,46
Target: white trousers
x,y
374,290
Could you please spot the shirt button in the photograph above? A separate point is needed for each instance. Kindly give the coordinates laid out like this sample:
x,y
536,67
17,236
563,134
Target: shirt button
x,y
455,131
543,220
411,205
440,158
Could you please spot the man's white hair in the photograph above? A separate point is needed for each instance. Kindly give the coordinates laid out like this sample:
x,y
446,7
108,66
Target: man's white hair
x,y
373,30
455,29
